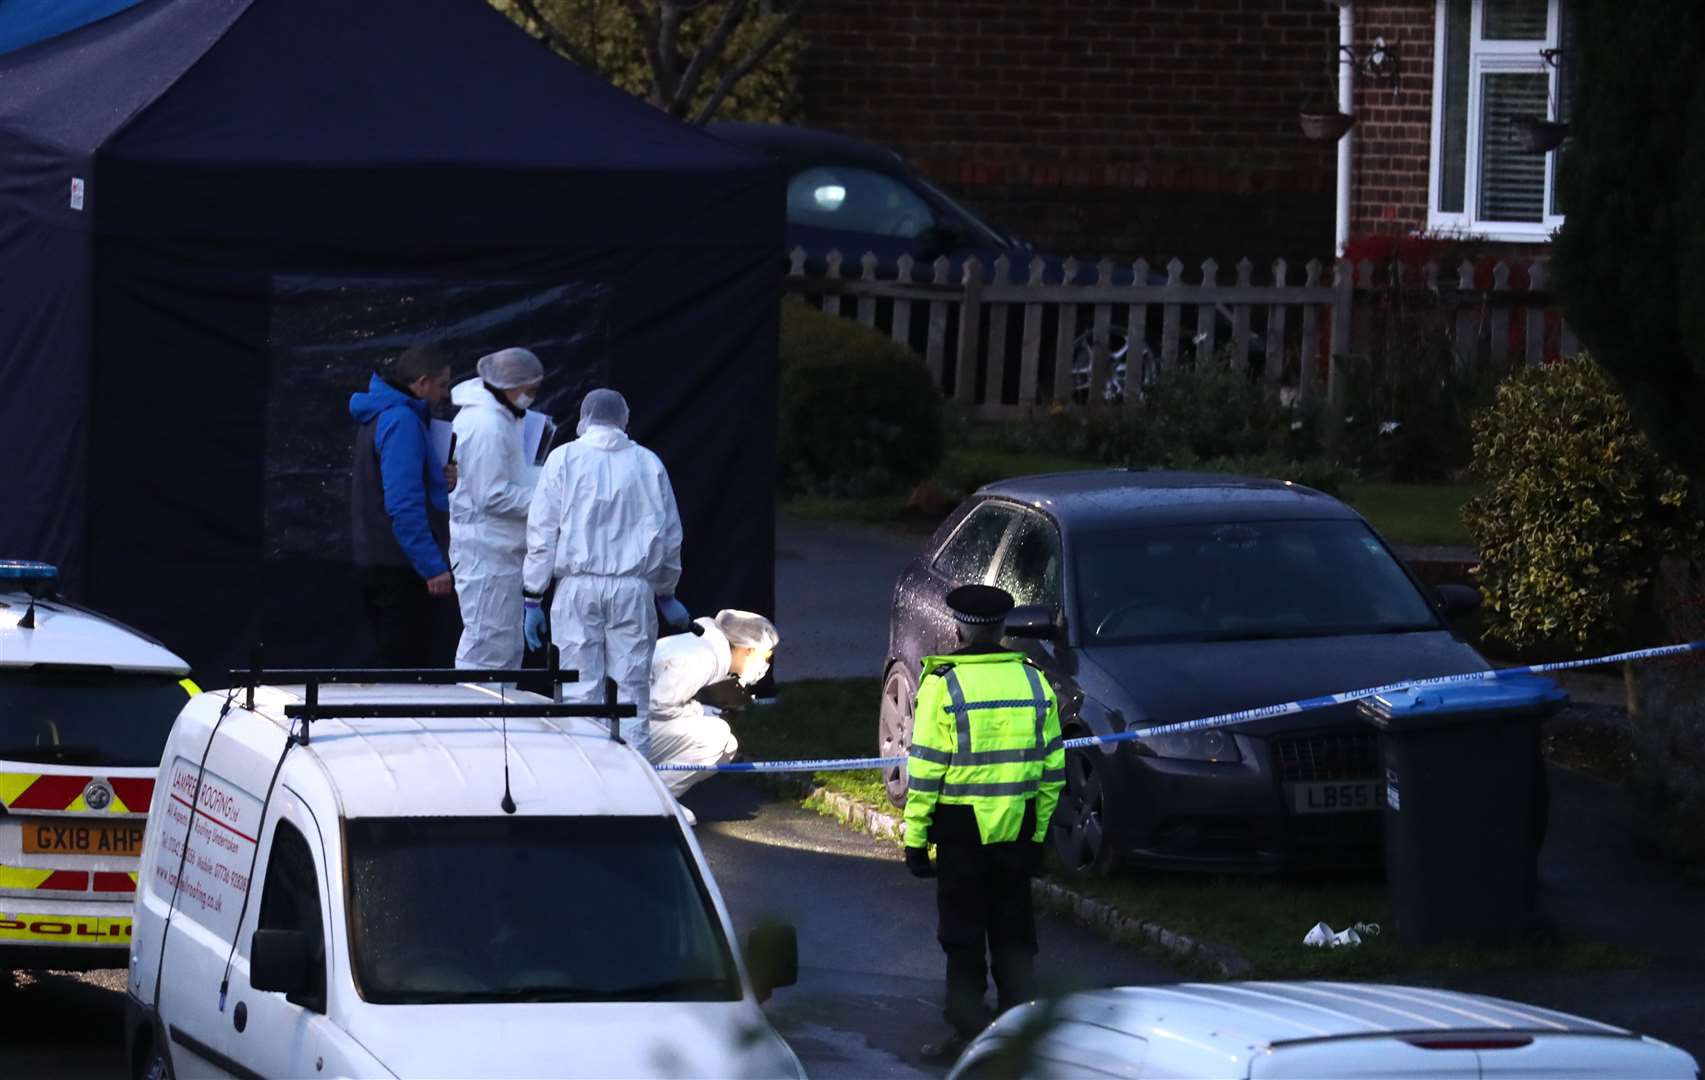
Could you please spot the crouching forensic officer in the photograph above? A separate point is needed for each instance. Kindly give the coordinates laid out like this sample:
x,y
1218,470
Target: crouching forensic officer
x,y
985,771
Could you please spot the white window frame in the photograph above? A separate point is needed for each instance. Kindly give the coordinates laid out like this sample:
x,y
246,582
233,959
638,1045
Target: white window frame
x,y
1489,57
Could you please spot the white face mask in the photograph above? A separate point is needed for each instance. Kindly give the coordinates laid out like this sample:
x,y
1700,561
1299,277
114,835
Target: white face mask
x,y
522,401
756,668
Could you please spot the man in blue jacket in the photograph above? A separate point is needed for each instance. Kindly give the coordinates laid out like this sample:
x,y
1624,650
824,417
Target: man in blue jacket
x,y
400,507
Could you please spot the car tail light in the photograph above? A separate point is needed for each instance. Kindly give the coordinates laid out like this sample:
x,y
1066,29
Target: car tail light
x,y
1471,1042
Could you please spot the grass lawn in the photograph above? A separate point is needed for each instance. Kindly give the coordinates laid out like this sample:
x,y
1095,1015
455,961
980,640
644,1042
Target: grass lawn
x,y
1263,918
1422,515
820,718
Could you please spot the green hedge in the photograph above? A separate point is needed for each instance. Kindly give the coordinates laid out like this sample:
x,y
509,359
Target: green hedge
x,y
860,415
1578,509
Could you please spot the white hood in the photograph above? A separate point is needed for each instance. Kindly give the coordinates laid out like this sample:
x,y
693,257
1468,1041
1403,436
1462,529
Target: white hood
x,y
617,1039
604,437
472,392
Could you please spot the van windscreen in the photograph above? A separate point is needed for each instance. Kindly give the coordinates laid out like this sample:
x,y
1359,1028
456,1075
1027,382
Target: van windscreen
x,y
86,716
495,909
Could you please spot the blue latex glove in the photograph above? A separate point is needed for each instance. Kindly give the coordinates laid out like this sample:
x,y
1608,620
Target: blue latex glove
x,y
674,614
534,626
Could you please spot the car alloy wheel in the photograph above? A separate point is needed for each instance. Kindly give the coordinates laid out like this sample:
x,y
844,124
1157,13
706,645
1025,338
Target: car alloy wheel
x,y
1080,832
895,731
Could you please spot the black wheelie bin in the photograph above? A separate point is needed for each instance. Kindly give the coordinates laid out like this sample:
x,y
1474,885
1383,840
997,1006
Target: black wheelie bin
x,y
1463,805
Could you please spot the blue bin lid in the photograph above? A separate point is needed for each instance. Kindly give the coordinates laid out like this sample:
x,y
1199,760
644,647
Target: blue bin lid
x,y
1515,697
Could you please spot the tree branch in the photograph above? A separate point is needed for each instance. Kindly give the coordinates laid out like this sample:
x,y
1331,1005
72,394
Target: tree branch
x,y
553,37
648,34
762,49
733,14
669,16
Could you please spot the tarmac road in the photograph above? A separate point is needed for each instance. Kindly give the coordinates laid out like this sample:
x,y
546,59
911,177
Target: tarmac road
x,y
870,969
60,1024
870,984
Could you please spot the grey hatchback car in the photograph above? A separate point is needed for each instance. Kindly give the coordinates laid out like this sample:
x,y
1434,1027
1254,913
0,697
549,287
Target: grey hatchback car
x,y
1154,597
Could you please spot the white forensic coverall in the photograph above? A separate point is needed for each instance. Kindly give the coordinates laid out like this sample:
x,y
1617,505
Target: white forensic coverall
x,y
605,525
488,528
684,730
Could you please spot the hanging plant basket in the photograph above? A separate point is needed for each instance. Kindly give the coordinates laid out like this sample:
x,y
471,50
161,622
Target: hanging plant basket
x,y
1538,136
1325,124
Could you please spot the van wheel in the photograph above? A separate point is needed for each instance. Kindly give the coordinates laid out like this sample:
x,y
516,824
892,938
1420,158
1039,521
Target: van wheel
x,y
151,1064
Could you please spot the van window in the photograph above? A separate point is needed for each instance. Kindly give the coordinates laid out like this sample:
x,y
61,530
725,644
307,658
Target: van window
x,y
290,900
68,715
531,909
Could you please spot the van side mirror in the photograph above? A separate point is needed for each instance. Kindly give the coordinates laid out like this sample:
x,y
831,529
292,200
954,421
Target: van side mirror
x,y
278,961
772,956
1458,599
1037,621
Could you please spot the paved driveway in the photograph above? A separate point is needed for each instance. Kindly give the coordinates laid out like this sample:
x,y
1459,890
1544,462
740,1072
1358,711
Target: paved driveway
x,y
834,584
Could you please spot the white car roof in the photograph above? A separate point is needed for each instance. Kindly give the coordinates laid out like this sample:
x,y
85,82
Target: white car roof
x,y
67,634
454,767
1225,1028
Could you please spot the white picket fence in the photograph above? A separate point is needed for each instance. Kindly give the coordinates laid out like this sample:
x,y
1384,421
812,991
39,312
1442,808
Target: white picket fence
x,y
1002,348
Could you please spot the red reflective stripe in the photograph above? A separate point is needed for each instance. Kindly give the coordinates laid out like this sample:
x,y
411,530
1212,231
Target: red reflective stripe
x,y
51,793
106,881
135,793
67,881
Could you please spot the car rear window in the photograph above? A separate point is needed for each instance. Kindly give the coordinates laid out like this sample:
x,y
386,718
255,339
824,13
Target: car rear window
x,y
495,909
1239,582
86,716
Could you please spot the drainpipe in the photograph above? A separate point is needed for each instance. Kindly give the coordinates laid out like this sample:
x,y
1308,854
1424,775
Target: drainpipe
x,y
1347,106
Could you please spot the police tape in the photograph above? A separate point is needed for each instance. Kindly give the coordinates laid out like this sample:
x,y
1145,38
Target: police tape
x,y
1230,719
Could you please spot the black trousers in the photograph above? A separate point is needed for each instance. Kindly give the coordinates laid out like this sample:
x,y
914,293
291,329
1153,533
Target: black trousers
x,y
409,624
985,919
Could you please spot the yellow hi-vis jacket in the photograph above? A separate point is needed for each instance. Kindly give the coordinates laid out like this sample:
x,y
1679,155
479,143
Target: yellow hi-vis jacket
x,y
985,734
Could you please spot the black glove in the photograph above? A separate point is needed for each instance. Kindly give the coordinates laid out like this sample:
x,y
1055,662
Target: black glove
x,y
1033,859
917,861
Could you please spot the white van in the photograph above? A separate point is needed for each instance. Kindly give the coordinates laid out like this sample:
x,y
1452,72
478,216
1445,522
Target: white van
x,y
406,891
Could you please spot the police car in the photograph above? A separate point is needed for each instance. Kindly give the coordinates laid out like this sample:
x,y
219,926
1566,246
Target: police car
x,y
85,706
1308,1031
416,878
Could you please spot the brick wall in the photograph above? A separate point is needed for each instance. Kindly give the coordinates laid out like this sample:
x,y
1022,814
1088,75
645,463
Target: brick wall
x,y
1394,120
1120,127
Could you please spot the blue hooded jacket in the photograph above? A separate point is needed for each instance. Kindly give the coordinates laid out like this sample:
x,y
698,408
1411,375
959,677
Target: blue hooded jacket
x,y
404,521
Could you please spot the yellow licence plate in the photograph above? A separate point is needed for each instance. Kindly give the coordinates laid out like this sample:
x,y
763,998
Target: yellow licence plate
x,y
79,838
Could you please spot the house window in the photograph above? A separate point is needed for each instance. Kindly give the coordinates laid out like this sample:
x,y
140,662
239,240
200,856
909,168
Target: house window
x,y
1491,68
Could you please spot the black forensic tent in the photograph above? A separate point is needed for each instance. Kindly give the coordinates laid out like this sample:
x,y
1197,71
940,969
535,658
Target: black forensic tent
x,y
217,215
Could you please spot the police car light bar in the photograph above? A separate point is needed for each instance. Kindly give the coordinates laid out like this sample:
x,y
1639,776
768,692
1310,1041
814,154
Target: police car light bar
x,y
27,570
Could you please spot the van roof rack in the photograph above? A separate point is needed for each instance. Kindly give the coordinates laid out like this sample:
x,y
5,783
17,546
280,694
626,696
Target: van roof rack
x,y
313,678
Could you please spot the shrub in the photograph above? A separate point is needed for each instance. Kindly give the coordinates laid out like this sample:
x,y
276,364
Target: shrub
x,y
1409,408
860,415
1578,511
1201,411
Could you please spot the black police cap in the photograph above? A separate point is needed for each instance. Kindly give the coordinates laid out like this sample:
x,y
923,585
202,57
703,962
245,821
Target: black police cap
x,y
979,604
